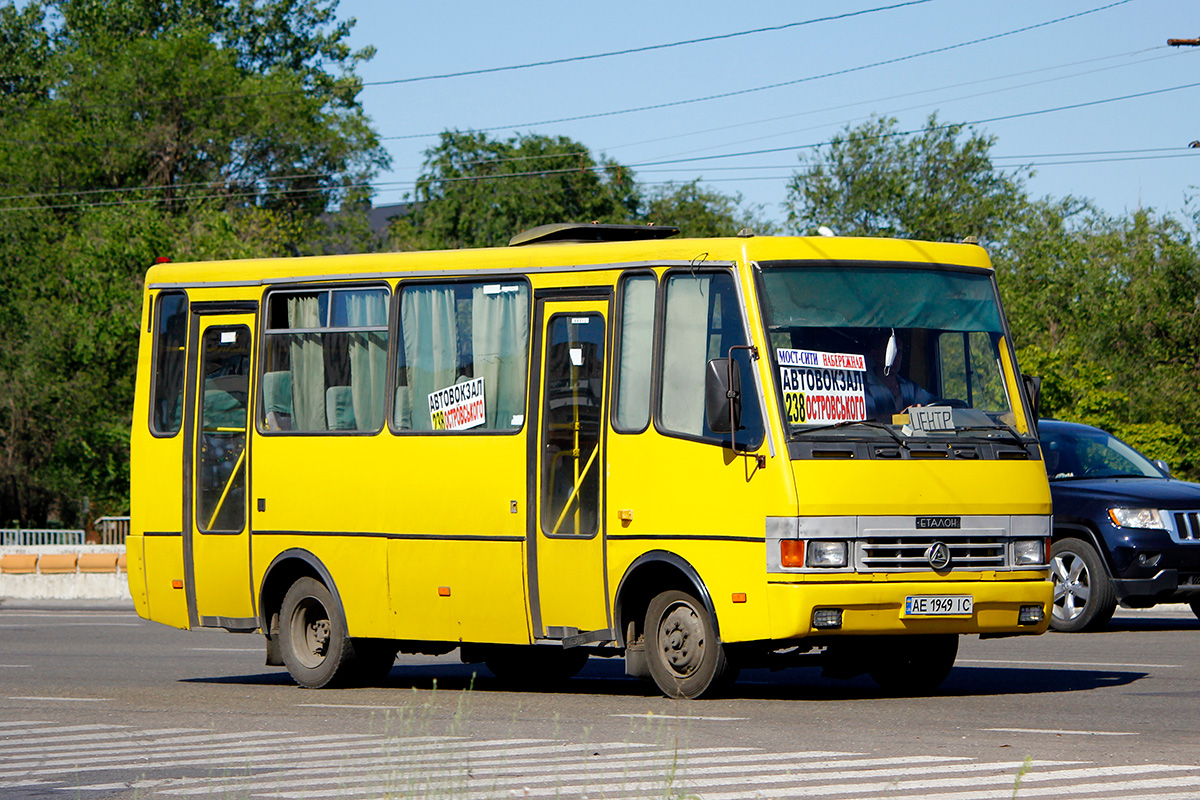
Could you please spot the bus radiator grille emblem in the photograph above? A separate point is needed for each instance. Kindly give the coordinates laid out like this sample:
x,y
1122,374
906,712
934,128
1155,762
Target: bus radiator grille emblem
x,y
938,556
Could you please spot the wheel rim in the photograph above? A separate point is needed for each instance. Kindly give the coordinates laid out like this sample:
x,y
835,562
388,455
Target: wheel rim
x,y
1072,586
310,632
681,640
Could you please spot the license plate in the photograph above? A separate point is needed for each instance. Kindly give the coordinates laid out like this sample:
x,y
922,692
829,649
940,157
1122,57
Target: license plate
x,y
938,605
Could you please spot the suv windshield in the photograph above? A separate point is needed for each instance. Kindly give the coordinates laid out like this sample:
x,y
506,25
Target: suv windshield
x,y
888,350
1092,453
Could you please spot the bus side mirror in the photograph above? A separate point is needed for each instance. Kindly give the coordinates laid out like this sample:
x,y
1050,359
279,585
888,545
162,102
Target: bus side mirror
x,y
1033,388
723,395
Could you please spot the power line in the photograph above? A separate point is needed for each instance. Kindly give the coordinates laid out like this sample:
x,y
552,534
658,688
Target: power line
x,y
738,92
557,61
646,49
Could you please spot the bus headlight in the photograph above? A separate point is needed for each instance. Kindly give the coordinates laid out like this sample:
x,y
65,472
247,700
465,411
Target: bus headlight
x,y
829,555
1150,518
1029,552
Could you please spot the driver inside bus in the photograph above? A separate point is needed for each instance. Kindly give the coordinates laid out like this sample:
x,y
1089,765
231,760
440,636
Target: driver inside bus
x,y
889,392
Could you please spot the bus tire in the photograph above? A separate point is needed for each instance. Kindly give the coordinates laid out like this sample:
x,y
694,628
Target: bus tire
x,y
913,665
685,656
312,636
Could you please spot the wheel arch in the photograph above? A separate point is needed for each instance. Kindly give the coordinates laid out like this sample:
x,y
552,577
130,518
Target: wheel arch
x,y
281,573
649,574
1072,530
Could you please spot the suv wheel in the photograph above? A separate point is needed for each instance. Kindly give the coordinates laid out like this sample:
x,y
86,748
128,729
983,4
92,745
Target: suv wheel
x,y
1083,594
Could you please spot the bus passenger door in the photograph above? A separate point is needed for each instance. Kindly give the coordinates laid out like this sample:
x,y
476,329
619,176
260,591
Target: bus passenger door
x,y
568,595
217,542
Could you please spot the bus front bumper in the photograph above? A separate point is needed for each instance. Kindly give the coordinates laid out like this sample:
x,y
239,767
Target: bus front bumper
x,y
1000,607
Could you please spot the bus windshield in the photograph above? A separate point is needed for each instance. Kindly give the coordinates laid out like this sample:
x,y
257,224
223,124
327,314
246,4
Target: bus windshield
x,y
888,350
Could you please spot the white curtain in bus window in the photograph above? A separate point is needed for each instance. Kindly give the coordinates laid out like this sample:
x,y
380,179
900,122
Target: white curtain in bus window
x,y
368,351
499,340
635,358
221,440
468,335
430,351
307,354
685,347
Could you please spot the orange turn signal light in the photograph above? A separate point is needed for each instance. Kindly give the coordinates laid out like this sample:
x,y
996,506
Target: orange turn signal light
x,y
791,552
176,584
739,597
443,591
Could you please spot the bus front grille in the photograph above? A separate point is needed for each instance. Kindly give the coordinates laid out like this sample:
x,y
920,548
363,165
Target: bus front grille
x,y
908,553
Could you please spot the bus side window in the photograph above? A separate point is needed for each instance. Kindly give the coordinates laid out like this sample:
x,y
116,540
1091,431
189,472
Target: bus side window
x,y
702,321
170,356
325,360
462,358
635,354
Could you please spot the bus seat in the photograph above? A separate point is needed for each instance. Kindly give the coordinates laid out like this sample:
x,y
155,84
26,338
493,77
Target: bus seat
x,y
402,413
277,400
339,408
222,409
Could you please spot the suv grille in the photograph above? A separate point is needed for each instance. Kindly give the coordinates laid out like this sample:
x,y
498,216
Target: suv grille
x,y
907,553
1187,523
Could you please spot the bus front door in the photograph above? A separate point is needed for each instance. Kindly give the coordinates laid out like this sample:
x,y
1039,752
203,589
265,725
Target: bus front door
x,y
217,544
568,596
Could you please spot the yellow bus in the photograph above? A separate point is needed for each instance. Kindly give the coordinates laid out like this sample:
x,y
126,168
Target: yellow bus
x,y
700,455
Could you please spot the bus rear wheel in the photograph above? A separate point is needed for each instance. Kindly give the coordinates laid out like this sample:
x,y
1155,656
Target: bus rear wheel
x,y
312,636
685,657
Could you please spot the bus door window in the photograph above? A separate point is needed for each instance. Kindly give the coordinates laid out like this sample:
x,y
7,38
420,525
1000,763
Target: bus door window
x,y
221,439
572,401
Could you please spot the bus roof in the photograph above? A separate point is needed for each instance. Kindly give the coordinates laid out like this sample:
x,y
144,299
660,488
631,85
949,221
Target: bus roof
x,y
552,256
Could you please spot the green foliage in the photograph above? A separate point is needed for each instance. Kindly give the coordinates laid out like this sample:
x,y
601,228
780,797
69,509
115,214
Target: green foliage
x,y
874,180
475,191
132,130
700,211
479,192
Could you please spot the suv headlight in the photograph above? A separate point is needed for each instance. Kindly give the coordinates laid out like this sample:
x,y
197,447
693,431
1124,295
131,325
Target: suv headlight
x,y
1149,518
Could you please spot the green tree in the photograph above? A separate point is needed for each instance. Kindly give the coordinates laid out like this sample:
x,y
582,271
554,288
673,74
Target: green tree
x,y
874,180
132,130
476,191
699,210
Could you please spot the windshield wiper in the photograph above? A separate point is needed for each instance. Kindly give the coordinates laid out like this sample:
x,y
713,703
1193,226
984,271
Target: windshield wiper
x,y
868,423
1002,428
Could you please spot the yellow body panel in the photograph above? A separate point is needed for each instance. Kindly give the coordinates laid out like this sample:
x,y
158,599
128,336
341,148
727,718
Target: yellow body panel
x,y
932,486
426,538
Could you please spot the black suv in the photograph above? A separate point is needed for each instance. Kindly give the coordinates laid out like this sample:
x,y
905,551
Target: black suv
x,y
1124,530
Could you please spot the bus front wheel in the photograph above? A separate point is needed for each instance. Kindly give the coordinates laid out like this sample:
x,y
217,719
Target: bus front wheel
x,y
685,657
312,636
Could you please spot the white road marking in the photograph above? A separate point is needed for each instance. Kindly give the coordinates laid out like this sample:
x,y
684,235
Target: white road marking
x,y
227,649
653,716
15,666
1101,665
1063,733
66,699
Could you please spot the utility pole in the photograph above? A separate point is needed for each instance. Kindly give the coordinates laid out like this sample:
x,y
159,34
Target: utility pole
x,y
1183,42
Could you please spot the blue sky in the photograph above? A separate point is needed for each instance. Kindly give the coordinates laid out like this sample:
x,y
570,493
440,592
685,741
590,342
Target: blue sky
x,y
1000,65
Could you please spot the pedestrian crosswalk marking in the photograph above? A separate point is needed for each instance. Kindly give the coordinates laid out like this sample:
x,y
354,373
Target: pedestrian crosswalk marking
x,y
41,757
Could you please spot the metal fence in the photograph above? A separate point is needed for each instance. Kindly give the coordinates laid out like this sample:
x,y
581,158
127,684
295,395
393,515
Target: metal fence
x,y
109,530
112,530
35,536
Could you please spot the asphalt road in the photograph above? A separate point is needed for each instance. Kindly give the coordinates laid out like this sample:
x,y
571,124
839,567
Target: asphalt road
x,y
95,703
